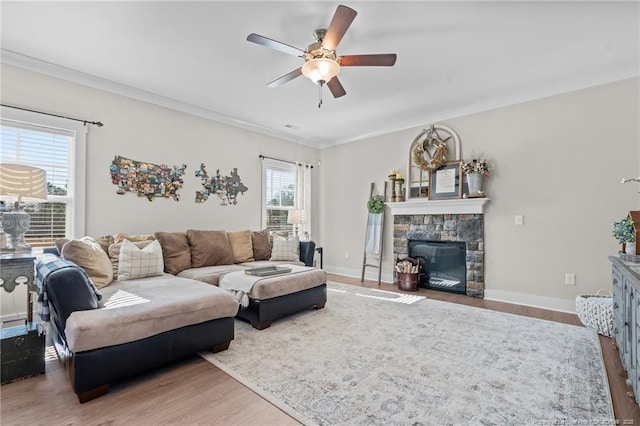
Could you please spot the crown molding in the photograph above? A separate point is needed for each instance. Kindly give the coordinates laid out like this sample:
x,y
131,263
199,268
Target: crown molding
x,y
546,91
68,74
37,65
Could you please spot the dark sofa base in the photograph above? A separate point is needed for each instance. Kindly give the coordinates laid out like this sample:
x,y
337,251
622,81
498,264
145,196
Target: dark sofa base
x,y
91,372
261,313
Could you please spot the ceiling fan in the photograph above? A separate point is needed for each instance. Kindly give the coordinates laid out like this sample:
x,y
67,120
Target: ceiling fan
x,y
321,63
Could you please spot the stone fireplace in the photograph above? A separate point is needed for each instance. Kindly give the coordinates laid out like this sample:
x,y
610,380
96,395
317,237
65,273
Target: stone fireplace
x,y
439,220
443,264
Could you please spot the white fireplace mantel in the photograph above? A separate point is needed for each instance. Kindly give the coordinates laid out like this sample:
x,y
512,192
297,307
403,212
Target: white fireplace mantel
x,y
456,206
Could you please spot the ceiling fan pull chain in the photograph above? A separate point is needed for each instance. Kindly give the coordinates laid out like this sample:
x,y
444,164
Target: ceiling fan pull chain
x,y
320,93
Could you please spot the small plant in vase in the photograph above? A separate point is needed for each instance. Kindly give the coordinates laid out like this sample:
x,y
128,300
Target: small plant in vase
x,y
476,169
375,204
623,232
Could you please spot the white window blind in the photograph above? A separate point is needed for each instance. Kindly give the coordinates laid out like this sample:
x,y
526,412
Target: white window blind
x,y
279,194
51,150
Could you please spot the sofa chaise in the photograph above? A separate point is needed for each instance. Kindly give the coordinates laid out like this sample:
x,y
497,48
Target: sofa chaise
x,y
142,323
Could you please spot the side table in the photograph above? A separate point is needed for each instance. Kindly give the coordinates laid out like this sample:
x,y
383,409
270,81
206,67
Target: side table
x,y
320,252
16,269
22,347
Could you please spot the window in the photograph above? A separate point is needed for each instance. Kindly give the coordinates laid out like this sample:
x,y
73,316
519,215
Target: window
x,y
279,194
286,186
56,146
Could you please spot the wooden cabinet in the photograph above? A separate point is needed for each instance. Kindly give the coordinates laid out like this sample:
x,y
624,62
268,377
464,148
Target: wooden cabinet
x,y
22,347
626,318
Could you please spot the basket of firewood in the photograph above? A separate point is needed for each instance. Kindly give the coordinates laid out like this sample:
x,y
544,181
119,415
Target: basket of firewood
x,y
407,273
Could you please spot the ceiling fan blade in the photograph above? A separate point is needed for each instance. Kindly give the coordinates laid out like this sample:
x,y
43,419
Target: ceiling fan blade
x,y
340,22
274,44
383,60
286,78
336,87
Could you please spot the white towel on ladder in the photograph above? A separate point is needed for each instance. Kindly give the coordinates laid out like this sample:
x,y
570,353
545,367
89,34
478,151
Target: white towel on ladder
x,y
374,231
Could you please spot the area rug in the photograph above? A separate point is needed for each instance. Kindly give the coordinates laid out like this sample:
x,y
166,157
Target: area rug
x,y
365,359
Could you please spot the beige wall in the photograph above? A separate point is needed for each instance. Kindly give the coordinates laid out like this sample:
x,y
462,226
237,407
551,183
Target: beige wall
x,y
146,132
558,161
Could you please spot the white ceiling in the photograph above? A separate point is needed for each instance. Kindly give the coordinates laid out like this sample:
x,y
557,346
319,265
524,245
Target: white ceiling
x,y
454,58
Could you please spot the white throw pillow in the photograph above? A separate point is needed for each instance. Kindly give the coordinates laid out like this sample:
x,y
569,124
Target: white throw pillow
x,y
137,262
285,248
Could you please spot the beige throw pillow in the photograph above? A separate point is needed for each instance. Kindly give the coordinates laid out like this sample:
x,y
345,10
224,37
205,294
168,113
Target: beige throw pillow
x,y
105,241
261,244
176,252
285,248
137,262
114,254
209,248
241,246
121,236
87,254
60,242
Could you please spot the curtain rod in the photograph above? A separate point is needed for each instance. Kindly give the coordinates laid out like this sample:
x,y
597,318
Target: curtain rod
x,y
95,123
262,157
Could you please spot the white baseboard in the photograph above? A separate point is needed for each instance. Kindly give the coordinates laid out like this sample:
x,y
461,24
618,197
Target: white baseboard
x,y
543,302
370,273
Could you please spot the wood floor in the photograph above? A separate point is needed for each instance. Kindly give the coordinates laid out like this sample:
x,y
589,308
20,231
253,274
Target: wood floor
x,y
196,392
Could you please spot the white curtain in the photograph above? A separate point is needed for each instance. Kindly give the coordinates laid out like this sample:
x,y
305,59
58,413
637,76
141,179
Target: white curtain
x,y
303,196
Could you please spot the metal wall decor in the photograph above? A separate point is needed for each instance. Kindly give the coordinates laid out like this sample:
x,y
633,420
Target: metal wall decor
x,y
146,179
226,188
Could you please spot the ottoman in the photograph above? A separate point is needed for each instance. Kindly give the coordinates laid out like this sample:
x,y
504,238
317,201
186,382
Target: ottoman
x,y
276,296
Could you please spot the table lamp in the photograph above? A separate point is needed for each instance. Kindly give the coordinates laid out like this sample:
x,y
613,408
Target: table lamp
x,y
296,217
20,183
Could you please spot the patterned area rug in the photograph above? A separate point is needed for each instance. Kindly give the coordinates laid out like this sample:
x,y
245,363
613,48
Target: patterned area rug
x,y
366,359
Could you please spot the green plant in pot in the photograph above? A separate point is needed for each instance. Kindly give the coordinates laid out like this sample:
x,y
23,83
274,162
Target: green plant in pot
x,y
623,232
375,204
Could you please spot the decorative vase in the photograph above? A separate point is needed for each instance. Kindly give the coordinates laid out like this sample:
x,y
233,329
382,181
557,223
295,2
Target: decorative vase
x,y
630,248
474,180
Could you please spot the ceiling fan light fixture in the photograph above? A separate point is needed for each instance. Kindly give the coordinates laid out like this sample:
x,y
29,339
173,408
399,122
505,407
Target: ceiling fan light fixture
x,y
320,69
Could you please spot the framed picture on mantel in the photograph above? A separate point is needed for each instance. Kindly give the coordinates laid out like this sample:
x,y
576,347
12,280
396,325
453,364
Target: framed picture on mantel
x,y
445,183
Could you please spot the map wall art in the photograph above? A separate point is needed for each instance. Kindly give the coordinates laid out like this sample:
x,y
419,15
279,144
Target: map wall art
x,y
146,179
226,188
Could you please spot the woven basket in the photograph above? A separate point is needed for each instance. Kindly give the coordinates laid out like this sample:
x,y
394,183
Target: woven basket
x,y
594,314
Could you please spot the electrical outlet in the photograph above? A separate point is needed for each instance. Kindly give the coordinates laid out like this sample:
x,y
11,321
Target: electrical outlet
x,y
346,254
570,279
519,219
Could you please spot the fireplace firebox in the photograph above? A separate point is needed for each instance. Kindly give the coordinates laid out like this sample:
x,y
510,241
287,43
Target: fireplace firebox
x,y
443,264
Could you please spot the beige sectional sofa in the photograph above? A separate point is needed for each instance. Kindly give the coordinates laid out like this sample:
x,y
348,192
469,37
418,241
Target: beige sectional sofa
x,y
164,302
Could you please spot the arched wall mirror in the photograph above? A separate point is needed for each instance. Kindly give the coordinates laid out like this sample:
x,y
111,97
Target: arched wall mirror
x,y
429,150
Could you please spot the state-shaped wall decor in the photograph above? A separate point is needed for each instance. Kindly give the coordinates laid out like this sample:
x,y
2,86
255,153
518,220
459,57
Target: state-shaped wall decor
x,y
226,188
146,179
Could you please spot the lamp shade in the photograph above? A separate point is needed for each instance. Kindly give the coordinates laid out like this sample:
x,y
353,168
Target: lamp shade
x,y
297,217
320,69
24,183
